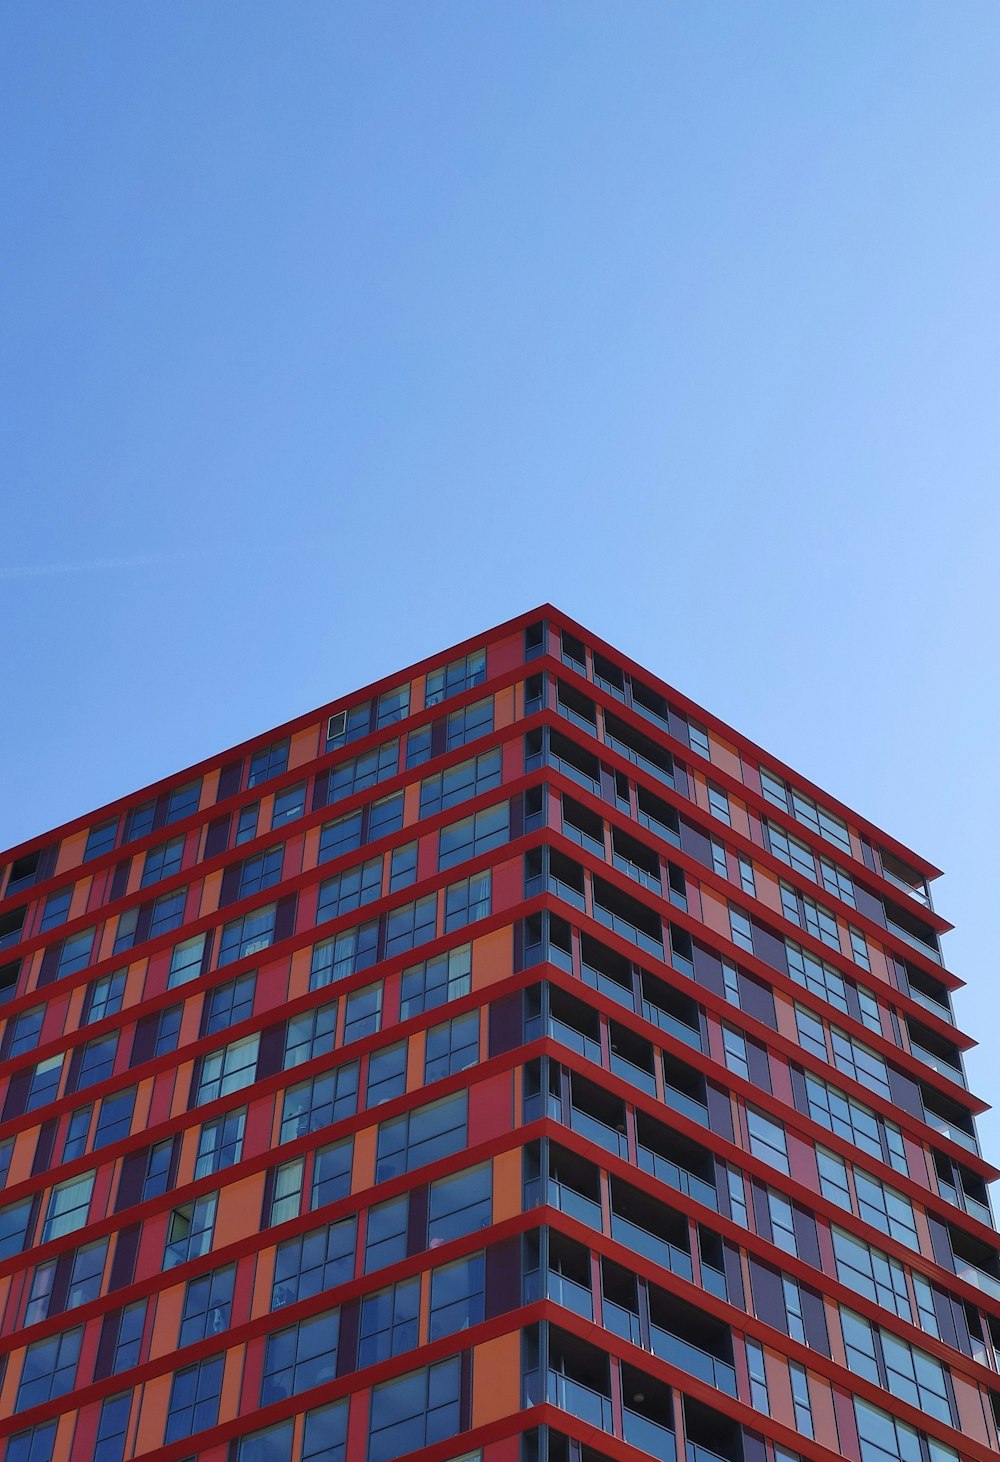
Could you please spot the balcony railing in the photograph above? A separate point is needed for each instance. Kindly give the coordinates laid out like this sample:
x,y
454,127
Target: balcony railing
x,y
579,1400
607,1137
936,1007
641,875
949,1129
690,1358
629,931
577,835
939,1064
671,1024
571,1295
621,1321
644,1080
566,1035
689,1106
678,1261
607,986
677,1177
931,950
573,1204
979,1278
648,1435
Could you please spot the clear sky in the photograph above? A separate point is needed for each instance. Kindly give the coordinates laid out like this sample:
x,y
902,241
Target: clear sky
x,y
333,332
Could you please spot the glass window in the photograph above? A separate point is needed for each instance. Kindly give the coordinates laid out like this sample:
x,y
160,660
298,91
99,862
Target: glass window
x,y
480,833
418,746
189,1231
186,961
782,1218
720,864
467,900
421,1135
348,725
436,981
68,1206
386,1074
77,1132
385,816
468,723
402,867
314,1104
791,850
248,935
767,1139
303,1356
833,1182
820,922
332,1173
747,881
313,1262
325,1438
385,1236
801,1401
389,1322
194,1399
288,804
114,1118
393,705
49,1369
340,837
227,1070
220,1143
14,1220
451,1047
104,997
349,890
718,804
101,839
363,1013
773,788
458,1294
162,861
345,954
140,821
128,1342
274,1444
269,762
157,1179
226,1005
758,1377
816,975
458,783
168,1030
287,1196
698,739
740,929
310,1034
735,1047
86,1272
366,770
246,823
25,1030
168,913
261,871
415,1410
837,882
883,1438
44,1083
859,948
452,679
207,1302
75,952
460,1204
183,801
56,909
410,924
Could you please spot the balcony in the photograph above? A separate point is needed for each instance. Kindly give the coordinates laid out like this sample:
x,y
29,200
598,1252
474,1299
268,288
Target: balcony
x,y
607,985
574,1204
610,1138
690,1358
648,1435
570,1294
579,1400
677,1177
940,1064
660,1251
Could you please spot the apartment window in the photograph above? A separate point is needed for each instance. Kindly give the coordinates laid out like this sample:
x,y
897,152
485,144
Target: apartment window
x,y
128,1341
220,1143
25,1030
314,1262
186,961
332,1173
189,1230
340,837
115,1118
451,1047
75,953
758,1378
207,1303
800,1399
392,706
104,997
871,1014
226,1005
194,1399
310,1034
261,871
288,805
14,1220
731,983
274,1444
415,1410
421,1136
859,1062
459,783
140,821
49,1369
885,1209
386,1074
460,1204
348,725
385,1235
359,772
389,1322
6,1153
859,948
856,1122
345,954
820,922
287,1196
816,975
436,981
246,823
314,1104
480,833
740,929
168,913
248,935
227,1070
735,1048
363,1013
418,746
325,1438
385,816
349,890
183,801
793,1309
162,861
101,839
811,1032
884,1439
782,1218
718,804
269,762
77,1132
157,1179
837,882
720,864
791,850
56,909
467,900
460,675
458,1293
303,1356
410,924
85,1274
402,867
68,1205
698,739
168,1030
747,881
737,1197
468,723
767,1139
44,1083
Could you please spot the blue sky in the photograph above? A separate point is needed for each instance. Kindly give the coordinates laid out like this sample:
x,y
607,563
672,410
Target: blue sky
x,y
332,333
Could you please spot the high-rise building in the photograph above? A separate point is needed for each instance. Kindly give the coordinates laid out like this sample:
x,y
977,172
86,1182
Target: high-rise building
x,y
506,1061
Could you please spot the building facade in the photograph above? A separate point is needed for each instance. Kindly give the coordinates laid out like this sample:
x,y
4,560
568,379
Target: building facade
x,y
508,1061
